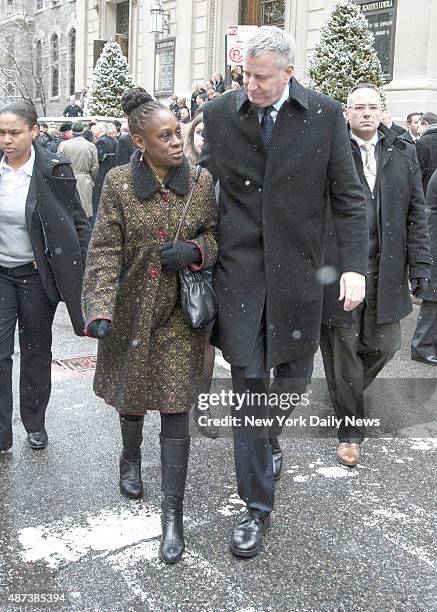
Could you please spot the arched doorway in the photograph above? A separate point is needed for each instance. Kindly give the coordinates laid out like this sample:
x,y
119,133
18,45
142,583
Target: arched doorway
x,y
262,12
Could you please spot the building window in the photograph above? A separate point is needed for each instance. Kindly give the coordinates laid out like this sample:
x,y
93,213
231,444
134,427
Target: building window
x,y
262,12
72,45
9,6
122,26
38,69
39,4
55,65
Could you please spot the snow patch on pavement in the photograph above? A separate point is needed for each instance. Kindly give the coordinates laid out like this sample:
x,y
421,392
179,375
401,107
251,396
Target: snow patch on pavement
x,y
108,531
336,472
424,444
417,551
233,504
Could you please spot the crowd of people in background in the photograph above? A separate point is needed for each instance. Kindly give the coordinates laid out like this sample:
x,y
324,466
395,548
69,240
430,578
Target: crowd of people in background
x,y
98,146
114,146
93,148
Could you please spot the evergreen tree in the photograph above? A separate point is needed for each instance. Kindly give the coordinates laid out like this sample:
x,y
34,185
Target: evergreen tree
x,y
111,79
345,55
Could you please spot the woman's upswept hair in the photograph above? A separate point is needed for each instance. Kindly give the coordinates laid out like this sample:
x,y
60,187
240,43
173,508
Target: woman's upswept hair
x,y
138,105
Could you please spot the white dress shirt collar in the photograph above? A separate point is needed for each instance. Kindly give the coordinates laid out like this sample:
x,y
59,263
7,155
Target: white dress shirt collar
x,y
277,105
360,141
285,95
27,168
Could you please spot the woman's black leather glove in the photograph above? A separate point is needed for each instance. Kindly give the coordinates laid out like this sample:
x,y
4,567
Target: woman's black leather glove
x,y
99,328
174,258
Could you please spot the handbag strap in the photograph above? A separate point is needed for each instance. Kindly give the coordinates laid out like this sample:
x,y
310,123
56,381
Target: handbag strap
x,y
190,197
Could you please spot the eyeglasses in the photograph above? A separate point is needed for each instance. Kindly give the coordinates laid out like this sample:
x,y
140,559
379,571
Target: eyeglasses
x,y
360,108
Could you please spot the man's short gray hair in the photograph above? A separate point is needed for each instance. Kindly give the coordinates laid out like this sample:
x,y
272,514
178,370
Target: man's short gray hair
x,y
102,127
270,38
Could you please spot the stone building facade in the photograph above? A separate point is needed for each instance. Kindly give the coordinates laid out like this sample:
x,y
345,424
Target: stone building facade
x,y
38,52
193,46
194,40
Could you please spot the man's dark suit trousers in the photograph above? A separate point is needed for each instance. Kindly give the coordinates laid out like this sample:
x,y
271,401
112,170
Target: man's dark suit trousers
x,y
252,449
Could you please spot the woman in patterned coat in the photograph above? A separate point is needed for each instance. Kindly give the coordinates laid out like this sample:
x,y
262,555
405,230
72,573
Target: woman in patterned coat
x,y
148,356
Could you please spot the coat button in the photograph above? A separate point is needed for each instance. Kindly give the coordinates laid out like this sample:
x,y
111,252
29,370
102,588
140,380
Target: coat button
x,y
153,272
254,147
162,234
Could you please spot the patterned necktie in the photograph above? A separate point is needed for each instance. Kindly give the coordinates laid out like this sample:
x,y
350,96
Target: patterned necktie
x,y
369,165
267,125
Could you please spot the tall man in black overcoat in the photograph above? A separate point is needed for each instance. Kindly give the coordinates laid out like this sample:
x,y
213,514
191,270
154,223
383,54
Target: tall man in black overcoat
x,y
274,146
356,346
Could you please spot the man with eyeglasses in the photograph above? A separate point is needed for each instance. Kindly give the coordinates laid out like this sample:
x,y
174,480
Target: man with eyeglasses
x,y
356,345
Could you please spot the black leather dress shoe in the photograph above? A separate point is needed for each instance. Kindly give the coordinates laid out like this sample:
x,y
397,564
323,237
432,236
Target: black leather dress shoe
x,y
38,439
247,535
277,458
430,359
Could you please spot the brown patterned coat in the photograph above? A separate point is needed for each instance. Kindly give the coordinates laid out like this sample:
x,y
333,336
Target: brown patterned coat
x,y
152,360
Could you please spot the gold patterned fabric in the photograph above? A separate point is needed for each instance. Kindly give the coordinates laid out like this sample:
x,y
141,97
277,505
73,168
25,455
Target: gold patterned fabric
x,y
152,360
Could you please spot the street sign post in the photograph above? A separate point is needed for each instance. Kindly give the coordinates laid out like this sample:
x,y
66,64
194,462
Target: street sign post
x,y
235,39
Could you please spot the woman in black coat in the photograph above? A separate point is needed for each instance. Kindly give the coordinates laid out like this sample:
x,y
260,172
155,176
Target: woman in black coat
x,y
44,235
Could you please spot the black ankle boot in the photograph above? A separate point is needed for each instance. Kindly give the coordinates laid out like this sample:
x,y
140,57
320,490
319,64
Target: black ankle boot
x,y
130,461
207,430
174,463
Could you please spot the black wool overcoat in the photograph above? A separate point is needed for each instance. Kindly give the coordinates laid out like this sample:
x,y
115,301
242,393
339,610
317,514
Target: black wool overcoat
x,y
272,210
427,154
431,204
402,231
59,231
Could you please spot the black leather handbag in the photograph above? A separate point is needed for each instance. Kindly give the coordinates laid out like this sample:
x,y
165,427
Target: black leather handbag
x,y
199,301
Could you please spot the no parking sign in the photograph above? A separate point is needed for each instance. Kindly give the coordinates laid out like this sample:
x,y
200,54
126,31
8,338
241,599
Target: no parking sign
x,y
235,39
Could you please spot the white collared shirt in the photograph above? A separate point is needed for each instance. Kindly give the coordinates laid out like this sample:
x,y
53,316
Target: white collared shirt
x,y
277,105
15,245
360,141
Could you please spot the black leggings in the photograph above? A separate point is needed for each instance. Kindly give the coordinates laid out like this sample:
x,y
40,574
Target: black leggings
x,y
172,425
